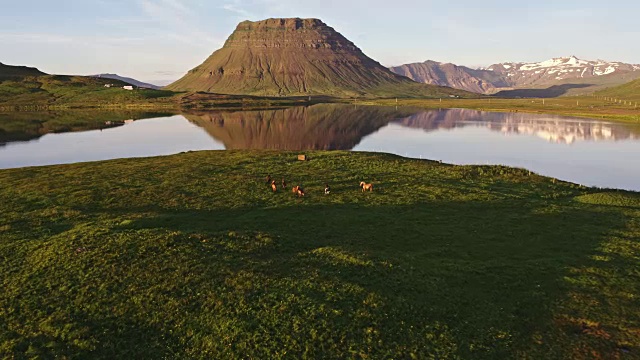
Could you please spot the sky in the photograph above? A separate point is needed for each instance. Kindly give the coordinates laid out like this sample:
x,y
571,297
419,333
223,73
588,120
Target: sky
x,y
160,40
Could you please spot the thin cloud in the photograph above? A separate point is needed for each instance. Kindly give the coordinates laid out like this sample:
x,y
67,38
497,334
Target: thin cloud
x,y
235,7
175,18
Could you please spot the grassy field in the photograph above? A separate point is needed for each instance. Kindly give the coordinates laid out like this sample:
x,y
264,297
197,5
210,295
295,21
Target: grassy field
x,y
55,92
192,256
58,92
584,106
61,91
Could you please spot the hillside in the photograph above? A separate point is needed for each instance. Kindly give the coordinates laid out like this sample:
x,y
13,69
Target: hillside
x,y
193,257
628,91
128,81
551,78
277,57
36,90
10,71
459,77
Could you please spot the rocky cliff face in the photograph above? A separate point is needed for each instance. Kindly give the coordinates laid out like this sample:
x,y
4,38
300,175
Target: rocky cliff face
x,y
293,57
459,77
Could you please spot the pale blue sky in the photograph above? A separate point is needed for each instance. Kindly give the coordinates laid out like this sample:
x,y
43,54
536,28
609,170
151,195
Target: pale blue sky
x,y
155,40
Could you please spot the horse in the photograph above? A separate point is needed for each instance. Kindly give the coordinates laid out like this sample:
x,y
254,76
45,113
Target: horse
x,y
366,186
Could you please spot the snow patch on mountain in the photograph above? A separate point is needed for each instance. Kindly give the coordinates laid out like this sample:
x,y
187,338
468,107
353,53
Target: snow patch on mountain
x,y
520,75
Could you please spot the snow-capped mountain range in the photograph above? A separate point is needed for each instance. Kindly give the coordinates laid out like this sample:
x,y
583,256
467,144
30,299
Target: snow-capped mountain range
x,y
587,76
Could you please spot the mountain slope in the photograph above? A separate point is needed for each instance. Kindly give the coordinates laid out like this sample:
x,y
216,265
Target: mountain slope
x,y
628,91
459,77
296,57
555,77
28,88
10,71
127,80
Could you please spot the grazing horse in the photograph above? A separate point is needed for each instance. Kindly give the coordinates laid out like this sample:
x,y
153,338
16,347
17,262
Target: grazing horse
x,y
366,186
273,186
298,191
284,184
268,178
327,189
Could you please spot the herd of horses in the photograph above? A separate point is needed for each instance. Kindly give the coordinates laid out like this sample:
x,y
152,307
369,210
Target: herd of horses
x,y
299,191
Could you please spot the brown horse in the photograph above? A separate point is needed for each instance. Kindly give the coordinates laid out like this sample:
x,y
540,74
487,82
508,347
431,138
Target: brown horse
x,y
366,186
273,186
298,191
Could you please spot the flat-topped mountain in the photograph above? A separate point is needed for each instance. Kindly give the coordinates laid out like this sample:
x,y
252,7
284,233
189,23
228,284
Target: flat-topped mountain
x,y
295,57
562,76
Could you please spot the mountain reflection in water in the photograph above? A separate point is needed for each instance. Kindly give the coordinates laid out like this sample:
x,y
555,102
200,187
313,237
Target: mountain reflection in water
x,y
342,127
599,152
552,128
319,127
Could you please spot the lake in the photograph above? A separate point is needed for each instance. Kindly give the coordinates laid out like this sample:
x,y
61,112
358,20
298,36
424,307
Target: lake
x,y
588,152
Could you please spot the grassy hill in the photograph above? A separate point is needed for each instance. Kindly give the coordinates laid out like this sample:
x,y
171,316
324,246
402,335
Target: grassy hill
x,y
628,91
571,87
9,71
192,256
62,90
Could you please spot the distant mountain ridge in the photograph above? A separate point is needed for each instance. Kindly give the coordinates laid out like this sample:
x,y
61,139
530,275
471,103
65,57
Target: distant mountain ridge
x,y
587,76
128,80
283,57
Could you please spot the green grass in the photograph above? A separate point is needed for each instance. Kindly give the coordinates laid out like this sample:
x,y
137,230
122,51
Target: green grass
x,y
594,107
192,256
37,92
59,93
629,92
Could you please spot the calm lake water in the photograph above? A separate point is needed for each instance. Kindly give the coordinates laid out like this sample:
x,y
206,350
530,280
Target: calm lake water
x,y
588,152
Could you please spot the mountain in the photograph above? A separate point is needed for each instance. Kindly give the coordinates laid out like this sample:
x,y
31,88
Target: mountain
x,y
10,71
128,80
459,77
555,77
277,57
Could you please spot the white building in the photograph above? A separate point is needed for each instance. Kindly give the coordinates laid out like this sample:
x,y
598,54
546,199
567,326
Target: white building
x,y
128,87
